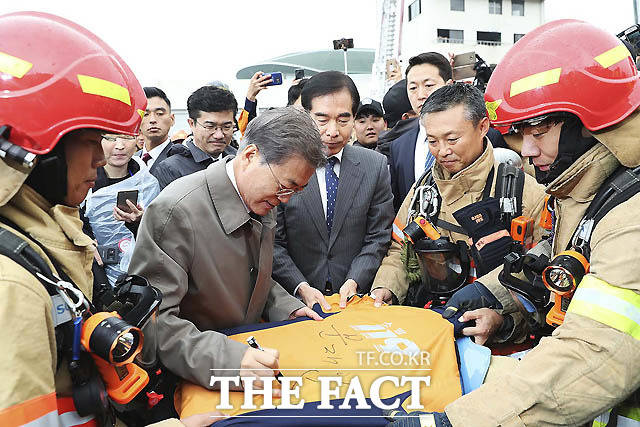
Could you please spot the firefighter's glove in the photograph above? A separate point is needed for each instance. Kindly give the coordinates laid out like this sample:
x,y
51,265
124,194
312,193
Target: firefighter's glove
x,y
490,240
471,297
399,418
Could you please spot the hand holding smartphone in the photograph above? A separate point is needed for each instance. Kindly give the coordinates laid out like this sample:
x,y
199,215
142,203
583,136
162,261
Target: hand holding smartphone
x,y
123,196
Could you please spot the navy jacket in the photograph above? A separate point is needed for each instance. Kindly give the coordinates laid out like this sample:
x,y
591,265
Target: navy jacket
x,y
402,161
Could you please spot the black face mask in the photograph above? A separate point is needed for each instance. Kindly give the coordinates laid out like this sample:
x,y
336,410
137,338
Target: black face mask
x,y
49,177
572,144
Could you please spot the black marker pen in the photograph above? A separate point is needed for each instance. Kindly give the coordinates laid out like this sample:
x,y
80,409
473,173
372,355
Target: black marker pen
x,y
254,344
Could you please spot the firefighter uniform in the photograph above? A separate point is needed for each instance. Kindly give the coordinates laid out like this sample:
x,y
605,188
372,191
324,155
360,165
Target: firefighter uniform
x,y
590,363
457,191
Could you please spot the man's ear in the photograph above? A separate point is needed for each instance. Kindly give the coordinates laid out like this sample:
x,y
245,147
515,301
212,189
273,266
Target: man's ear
x,y
192,124
484,126
249,154
173,119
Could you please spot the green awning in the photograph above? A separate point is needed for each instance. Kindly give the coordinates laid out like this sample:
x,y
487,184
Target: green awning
x,y
359,61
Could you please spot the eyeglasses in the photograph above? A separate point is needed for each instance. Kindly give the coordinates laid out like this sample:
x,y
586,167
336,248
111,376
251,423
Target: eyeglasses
x,y
225,128
283,191
113,137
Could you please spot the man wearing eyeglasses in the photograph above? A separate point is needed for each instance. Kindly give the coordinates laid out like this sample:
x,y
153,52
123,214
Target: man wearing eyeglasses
x,y
211,118
332,237
207,244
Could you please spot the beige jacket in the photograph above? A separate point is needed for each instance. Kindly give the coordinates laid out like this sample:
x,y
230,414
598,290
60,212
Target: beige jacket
x,y
585,367
458,191
30,381
212,262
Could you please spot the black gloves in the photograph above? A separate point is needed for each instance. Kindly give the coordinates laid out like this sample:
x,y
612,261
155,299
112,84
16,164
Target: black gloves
x,y
491,239
471,297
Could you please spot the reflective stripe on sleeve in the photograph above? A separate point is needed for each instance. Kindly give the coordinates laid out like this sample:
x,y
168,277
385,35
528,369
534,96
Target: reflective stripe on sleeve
x,y
40,411
611,305
396,232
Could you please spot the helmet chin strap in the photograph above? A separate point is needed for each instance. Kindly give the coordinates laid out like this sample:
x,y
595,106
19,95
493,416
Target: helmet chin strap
x,y
52,164
571,146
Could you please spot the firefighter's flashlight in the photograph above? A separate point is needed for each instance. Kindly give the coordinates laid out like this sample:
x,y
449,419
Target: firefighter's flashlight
x,y
565,272
112,338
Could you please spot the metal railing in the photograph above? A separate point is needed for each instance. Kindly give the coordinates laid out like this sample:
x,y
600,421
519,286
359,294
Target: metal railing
x,y
469,42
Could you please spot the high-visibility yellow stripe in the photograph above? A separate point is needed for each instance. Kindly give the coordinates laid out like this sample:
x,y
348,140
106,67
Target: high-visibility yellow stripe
x,y
14,66
629,412
611,305
613,56
96,86
534,81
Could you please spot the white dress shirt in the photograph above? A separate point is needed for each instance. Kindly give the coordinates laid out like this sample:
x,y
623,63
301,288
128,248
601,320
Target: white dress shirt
x,y
322,182
154,152
422,150
232,177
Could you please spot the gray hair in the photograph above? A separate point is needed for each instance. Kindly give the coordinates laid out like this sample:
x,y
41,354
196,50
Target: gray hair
x,y
450,96
282,133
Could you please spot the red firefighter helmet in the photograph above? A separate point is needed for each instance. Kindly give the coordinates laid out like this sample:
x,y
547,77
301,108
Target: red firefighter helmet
x,y
56,76
564,66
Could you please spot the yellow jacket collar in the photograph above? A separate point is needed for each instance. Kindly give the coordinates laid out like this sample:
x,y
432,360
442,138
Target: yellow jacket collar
x,y
590,171
29,210
623,140
471,179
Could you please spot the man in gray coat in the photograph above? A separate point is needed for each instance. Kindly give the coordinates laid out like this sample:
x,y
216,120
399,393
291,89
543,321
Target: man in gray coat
x,y
207,244
332,237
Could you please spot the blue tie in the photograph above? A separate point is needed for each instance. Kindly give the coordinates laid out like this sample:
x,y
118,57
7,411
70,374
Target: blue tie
x,y
331,180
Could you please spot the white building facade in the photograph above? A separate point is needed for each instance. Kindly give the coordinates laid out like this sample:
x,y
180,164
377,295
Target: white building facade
x,y
486,27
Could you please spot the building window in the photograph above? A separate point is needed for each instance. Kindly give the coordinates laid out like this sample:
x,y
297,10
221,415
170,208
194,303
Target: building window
x,y
489,38
414,10
517,37
450,36
495,7
517,7
457,5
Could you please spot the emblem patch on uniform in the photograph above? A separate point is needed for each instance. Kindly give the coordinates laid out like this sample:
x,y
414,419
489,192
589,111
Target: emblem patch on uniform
x,y
492,106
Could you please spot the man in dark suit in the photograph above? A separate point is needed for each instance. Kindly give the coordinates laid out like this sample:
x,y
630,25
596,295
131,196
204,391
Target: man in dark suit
x,y
211,118
332,236
155,127
409,155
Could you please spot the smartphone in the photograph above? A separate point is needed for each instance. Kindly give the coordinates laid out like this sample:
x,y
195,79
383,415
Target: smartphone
x,y
276,79
299,74
123,196
463,66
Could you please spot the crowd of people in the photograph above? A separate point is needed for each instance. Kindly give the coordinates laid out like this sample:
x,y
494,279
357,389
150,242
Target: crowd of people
x,y
260,216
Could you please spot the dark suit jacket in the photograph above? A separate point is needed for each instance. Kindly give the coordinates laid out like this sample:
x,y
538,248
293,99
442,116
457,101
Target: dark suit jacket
x,y
161,157
182,160
361,230
402,161
401,164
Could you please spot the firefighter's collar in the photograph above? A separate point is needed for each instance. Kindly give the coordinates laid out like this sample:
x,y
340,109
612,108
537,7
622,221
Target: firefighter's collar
x,y
471,179
585,176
